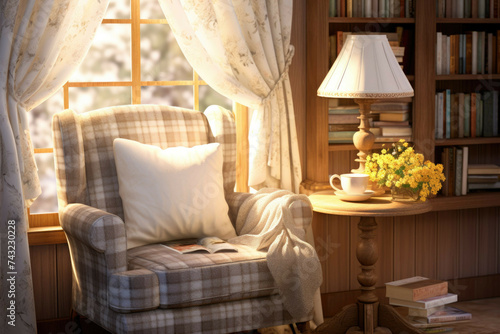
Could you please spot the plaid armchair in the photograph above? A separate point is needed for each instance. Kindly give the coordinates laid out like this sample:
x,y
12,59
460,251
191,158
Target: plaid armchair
x,y
151,289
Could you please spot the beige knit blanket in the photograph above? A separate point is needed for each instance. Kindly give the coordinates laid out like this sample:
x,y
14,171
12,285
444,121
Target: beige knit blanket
x,y
265,222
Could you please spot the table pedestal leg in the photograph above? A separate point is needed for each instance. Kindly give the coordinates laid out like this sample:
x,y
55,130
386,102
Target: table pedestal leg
x,y
367,315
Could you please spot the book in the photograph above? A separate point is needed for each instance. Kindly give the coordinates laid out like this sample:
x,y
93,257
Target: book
x,y
207,244
476,186
383,106
343,127
394,116
481,169
389,123
416,288
424,312
343,119
396,131
343,110
449,313
458,171
426,303
483,178
465,168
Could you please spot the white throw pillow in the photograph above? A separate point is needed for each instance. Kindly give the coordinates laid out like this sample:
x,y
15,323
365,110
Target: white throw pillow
x,y
171,194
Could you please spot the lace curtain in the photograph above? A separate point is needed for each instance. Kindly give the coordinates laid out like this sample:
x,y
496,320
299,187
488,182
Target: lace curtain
x,y
41,43
241,48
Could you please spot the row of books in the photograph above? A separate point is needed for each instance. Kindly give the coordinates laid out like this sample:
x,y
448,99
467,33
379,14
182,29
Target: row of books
x,y
427,301
474,52
398,41
463,177
389,121
468,9
372,8
459,115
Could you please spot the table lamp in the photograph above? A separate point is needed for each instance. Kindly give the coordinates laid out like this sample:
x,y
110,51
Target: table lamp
x,y
366,70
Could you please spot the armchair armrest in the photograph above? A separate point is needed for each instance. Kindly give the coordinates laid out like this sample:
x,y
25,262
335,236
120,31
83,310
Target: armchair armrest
x,y
301,209
99,230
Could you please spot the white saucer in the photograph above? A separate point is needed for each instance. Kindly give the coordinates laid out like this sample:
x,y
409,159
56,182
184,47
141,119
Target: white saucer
x,y
354,197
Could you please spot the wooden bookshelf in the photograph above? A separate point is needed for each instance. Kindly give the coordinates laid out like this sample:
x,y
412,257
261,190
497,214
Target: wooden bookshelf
x,y
460,237
422,76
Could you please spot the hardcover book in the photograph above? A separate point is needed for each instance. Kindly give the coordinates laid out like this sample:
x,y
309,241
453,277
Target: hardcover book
x,y
416,288
426,303
448,314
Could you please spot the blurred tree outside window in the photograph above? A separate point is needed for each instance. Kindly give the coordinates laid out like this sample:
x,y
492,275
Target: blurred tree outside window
x,y
105,78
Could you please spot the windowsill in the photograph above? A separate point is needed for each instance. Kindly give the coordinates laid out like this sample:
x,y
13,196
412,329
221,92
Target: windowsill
x,y
47,235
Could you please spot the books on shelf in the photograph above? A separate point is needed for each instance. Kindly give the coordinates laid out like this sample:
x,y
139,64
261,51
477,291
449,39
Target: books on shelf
x,y
372,8
466,115
472,52
206,244
467,9
416,288
455,160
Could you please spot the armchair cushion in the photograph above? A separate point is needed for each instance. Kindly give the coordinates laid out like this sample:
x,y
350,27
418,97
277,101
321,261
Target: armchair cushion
x,y
200,278
171,194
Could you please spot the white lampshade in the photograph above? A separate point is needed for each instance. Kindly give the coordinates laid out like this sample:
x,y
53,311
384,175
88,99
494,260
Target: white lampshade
x,y
366,68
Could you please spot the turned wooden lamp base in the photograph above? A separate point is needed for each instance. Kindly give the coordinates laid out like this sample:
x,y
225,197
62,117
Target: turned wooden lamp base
x,y
363,139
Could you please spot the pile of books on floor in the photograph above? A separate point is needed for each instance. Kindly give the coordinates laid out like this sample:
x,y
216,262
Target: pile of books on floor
x,y
392,120
427,301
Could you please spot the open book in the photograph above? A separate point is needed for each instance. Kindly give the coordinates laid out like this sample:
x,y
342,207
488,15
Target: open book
x,y
206,244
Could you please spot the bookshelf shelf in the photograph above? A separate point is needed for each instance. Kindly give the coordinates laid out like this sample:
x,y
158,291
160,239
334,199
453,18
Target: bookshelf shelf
x,y
469,201
451,77
467,21
379,20
467,141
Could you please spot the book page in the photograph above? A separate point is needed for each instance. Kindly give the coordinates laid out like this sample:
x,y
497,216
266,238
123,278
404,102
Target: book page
x,y
185,246
214,244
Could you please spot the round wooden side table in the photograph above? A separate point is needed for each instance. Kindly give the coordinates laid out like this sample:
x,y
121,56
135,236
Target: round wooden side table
x,y
367,316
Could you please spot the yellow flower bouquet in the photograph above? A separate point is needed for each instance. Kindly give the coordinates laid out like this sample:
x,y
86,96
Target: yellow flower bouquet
x,y
402,169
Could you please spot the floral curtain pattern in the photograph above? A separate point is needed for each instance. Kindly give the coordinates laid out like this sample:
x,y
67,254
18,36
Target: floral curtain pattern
x,y
241,48
41,43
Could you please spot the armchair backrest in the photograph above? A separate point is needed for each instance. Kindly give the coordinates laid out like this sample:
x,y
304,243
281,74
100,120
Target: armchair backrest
x,y
83,146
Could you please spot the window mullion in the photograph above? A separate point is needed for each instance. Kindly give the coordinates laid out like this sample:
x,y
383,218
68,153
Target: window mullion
x,y
136,51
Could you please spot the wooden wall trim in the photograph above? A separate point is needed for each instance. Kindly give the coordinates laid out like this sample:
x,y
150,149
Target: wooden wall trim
x,y
48,235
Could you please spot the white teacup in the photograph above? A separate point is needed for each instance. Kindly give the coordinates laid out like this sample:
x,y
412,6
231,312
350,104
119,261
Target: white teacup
x,y
351,183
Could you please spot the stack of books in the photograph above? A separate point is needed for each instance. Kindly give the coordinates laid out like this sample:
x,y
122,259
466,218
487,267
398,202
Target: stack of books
x,y
343,122
427,301
393,118
483,176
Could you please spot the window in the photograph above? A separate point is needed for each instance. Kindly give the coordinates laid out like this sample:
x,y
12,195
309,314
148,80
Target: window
x,y
134,59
